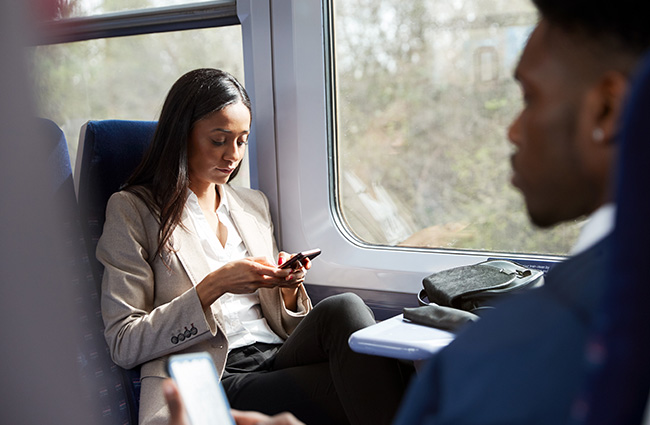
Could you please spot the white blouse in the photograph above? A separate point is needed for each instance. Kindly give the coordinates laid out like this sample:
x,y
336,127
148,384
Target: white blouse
x,y
242,313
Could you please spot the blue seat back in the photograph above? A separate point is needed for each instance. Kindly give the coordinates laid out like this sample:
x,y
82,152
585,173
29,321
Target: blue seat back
x,y
101,381
619,351
109,152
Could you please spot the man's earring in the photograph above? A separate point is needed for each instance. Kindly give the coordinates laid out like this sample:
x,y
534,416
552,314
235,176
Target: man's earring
x,y
598,135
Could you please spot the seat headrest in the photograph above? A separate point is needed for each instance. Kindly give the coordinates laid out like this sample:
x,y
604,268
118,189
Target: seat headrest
x,y
109,152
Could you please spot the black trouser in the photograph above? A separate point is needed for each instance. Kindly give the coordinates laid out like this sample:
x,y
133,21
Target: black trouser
x,y
315,375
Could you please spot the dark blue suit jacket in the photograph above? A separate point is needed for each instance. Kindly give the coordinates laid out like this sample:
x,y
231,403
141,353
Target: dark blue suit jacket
x,y
523,362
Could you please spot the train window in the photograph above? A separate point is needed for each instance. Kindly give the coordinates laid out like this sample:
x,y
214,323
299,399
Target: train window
x,y
424,95
125,77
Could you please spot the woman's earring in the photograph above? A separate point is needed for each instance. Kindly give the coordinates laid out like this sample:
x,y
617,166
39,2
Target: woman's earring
x,y
598,135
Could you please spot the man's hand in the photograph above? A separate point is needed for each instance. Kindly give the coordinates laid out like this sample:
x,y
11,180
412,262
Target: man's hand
x,y
178,415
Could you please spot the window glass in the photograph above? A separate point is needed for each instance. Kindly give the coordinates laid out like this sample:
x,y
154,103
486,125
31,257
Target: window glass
x,y
125,77
80,8
424,97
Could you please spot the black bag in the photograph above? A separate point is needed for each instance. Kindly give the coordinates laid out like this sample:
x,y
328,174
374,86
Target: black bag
x,y
453,297
476,287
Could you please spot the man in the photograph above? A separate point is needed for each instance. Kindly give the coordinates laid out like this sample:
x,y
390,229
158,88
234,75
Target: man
x,y
524,362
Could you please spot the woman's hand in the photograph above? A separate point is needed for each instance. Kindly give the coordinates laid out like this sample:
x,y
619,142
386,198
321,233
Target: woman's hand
x,y
290,294
284,257
244,277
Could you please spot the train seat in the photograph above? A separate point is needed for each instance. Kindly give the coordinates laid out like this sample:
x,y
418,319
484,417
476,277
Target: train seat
x,y
108,152
619,385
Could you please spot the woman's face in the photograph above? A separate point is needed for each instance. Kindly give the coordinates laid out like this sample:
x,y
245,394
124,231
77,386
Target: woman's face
x,y
217,144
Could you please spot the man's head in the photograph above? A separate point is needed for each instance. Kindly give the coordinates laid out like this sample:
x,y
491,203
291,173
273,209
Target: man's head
x,y
574,73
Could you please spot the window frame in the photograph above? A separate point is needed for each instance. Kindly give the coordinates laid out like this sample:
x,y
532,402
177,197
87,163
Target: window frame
x,y
300,138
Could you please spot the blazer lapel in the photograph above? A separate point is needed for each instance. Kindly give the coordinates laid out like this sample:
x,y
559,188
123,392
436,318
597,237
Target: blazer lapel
x,y
189,251
250,229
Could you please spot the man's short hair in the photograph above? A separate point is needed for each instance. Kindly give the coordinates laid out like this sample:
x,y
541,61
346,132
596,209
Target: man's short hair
x,y
624,23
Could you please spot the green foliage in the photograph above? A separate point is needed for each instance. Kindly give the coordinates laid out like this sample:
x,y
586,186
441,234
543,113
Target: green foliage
x,y
421,118
126,77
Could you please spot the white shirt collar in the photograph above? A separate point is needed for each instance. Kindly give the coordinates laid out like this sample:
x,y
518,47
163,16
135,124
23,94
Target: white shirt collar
x,y
223,199
235,248
223,203
599,225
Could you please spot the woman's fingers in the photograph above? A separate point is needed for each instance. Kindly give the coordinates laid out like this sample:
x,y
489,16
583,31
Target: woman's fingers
x,y
288,275
245,276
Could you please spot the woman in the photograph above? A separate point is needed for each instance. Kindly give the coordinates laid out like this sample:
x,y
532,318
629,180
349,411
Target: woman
x,y
190,266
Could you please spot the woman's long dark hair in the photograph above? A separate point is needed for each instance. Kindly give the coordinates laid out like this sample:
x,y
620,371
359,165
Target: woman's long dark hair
x,y
161,180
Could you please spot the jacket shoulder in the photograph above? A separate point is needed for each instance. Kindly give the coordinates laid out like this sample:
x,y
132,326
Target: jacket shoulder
x,y
129,200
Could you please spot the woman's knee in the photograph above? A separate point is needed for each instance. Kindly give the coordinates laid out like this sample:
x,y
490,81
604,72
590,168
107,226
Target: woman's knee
x,y
347,308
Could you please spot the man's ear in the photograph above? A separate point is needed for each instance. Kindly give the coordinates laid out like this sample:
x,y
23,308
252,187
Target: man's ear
x,y
609,96
599,126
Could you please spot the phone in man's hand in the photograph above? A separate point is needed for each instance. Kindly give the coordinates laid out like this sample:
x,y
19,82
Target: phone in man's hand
x,y
198,383
295,261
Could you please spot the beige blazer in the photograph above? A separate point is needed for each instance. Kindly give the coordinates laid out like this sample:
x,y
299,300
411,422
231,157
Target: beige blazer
x,y
150,307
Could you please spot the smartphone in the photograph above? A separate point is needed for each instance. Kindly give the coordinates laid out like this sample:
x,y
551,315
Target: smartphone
x,y
294,261
198,383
